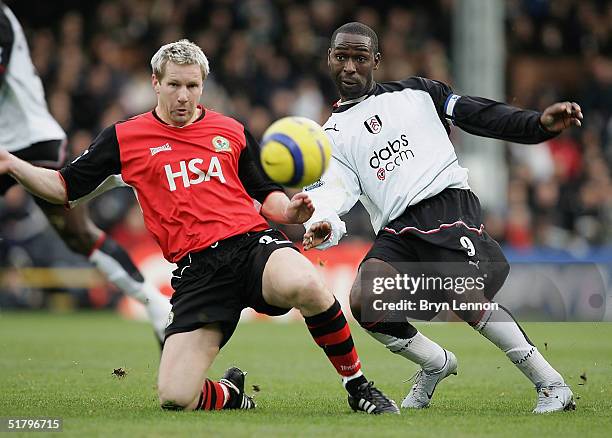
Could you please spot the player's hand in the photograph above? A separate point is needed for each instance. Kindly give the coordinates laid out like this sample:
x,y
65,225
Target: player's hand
x,y
300,209
561,115
318,233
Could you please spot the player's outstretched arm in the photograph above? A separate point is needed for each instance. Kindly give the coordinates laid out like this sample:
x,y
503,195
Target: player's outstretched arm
x,y
561,115
489,118
279,208
44,183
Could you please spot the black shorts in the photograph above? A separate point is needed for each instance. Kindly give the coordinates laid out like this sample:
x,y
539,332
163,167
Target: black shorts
x,y
50,154
214,285
442,236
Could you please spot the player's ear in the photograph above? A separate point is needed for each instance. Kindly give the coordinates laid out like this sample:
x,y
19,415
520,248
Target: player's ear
x,y
329,51
155,83
377,58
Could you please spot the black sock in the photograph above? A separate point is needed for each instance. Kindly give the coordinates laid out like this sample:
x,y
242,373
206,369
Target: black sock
x,y
353,385
401,330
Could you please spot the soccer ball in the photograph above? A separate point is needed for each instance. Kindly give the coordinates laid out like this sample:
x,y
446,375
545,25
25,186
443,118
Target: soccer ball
x,y
295,151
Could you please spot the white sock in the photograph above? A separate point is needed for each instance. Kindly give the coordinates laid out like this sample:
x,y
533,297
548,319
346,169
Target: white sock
x,y
419,349
114,272
349,378
501,329
157,305
158,308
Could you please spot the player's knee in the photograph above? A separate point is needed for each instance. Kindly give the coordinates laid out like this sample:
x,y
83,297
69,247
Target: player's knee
x,y
362,287
171,405
355,300
471,317
171,400
79,241
309,291
463,306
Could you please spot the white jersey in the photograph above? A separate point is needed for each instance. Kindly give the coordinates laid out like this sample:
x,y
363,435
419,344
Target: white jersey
x,y
24,117
391,148
390,151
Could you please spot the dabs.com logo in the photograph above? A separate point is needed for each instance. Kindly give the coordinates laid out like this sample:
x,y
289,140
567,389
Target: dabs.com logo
x,y
391,156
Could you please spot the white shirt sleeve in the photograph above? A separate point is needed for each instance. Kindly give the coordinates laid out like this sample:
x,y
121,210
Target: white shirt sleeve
x,y
108,184
333,196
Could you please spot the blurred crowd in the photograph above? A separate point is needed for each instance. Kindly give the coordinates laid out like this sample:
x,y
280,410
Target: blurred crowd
x,y
560,194
268,60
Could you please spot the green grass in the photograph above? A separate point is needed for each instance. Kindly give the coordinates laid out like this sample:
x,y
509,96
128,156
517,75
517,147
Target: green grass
x,y
61,365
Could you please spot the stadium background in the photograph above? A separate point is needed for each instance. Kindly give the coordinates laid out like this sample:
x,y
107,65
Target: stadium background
x,y
268,60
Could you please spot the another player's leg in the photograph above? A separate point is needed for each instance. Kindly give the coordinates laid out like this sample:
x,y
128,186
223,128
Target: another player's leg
x,y
290,280
182,382
403,339
499,327
83,237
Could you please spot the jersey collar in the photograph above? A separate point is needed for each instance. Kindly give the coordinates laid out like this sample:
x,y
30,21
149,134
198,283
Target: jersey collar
x,y
348,104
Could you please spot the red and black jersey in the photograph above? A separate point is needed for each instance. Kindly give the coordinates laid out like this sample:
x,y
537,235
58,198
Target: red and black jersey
x,y
195,184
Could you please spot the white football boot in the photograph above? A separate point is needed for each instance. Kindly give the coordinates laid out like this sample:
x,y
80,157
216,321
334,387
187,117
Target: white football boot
x,y
425,383
554,398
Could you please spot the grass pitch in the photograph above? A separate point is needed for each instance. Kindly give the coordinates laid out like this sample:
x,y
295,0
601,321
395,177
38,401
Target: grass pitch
x,y
62,366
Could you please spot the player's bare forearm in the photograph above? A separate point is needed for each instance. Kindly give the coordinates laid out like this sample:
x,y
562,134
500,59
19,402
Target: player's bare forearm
x,y
44,183
280,209
274,207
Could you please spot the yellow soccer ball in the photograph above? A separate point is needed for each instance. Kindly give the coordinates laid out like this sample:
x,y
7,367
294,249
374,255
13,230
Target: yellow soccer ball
x,y
295,151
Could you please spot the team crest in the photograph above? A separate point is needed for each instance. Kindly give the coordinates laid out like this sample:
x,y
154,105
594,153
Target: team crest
x,y
373,124
221,144
170,318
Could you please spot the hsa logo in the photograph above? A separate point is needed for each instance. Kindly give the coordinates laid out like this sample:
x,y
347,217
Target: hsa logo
x,y
187,170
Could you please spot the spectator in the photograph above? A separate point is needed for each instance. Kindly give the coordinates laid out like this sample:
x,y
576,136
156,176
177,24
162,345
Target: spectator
x,y
267,64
